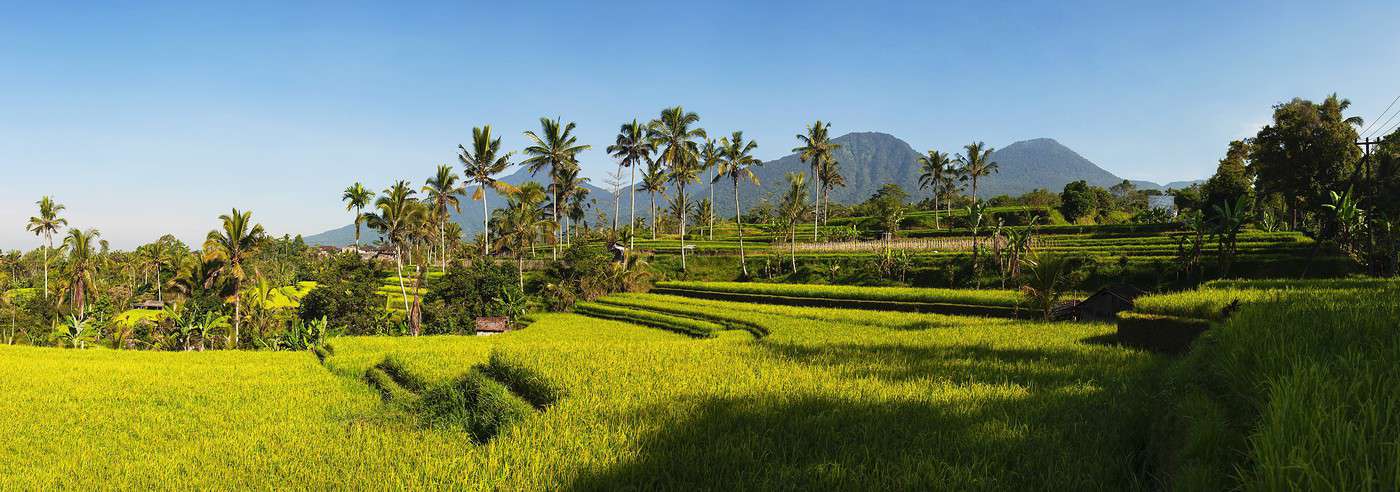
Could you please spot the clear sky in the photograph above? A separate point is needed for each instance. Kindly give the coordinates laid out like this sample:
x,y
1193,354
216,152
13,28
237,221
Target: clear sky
x,y
152,118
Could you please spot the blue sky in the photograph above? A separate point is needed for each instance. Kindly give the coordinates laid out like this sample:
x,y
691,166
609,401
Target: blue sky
x,y
156,117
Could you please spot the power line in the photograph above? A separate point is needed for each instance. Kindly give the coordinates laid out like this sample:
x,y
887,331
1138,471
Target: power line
x,y
1391,129
1382,115
1383,125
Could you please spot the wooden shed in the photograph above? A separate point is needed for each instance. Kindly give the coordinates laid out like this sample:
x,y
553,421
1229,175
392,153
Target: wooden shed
x,y
1105,304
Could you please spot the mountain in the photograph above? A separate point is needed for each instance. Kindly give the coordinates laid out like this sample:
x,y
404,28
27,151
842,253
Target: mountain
x,y
868,160
1174,185
470,216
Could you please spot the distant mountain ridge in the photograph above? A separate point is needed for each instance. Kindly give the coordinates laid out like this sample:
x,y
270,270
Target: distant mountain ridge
x,y
868,160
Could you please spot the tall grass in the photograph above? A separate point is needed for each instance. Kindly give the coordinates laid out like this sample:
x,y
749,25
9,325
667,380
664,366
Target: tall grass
x,y
1296,393
829,400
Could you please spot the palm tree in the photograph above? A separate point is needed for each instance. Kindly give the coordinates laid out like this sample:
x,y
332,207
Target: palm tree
x,y
82,260
233,246
675,140
976,163
484,161
816,151
158,254
520,221
653,182
794,206
737,164
829,175
573,193
443,192
557,148
710,156
396,216
934,166
46,224
631,148
357,197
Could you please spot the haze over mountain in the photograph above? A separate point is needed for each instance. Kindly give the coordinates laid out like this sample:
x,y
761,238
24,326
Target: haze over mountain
x,y
868,161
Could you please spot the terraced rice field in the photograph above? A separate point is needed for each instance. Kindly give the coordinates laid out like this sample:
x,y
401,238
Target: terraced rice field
x,y
773,397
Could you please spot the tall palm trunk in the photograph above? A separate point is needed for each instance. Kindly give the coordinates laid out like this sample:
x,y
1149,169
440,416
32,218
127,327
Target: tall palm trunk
x,y
616,204
357,229
653,216
739,221
817,207
159,296
681,212
558,226
632,215
237,310
485,224
415,315
398,266
793,245
712,203
49,238
520,268
442,239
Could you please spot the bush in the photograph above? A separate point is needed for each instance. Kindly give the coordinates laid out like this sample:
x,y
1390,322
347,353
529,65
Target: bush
x,y
476,403
345,296
456,299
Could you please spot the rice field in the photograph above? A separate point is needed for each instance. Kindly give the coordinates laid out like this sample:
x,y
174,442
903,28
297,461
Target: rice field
x,y
778,397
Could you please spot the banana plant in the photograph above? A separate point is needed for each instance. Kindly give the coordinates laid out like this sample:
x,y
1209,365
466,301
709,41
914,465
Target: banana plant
x,y
1350,217
74,332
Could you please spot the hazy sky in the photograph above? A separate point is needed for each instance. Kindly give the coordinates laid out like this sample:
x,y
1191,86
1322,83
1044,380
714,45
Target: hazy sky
x,y
154,118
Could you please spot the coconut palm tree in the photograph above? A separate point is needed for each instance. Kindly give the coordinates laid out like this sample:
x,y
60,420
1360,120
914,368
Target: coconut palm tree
x,y
233,245
574,194
631,148
520,222
934,165
556,148
46,224
443,192
674,135
482,163
793,208
829,176
397,214
357,197
653,182
976,163
710,156
738,164
82,262
816,151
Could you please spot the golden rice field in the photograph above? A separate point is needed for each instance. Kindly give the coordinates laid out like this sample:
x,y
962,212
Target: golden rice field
x,y
826,399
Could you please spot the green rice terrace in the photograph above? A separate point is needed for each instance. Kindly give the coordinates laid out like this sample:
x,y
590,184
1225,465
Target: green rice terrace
x,y
1244,337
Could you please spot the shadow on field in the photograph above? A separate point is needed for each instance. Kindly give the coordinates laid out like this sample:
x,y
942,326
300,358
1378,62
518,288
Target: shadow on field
x,y
1068,423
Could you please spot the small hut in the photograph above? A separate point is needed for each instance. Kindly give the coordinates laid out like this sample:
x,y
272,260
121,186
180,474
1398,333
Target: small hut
x,y
149,304
1105,304
492,325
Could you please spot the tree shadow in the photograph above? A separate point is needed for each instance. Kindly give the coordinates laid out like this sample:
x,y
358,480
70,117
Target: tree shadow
x,y
993,419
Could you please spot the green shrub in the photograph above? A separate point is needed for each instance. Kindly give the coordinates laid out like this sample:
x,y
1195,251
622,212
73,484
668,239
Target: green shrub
x,y
473,402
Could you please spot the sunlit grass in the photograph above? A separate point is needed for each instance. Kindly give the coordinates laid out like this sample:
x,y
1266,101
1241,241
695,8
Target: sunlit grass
x,y
830,399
